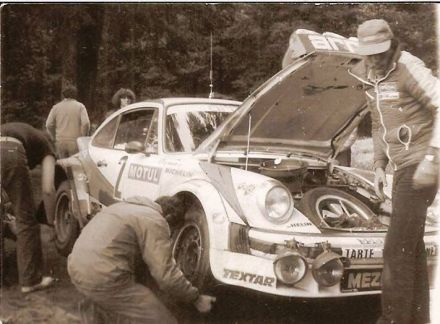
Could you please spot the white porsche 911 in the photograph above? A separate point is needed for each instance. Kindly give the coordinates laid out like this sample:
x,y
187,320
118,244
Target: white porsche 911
x,y
267,208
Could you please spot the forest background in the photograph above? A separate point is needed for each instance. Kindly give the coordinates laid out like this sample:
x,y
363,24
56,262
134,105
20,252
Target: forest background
x,y
161,50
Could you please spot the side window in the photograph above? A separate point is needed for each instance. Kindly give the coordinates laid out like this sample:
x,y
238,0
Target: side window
x,y
151,143
106,135
134,126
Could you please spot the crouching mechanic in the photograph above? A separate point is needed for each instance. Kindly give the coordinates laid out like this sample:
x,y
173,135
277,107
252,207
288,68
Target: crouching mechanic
x,y
102,262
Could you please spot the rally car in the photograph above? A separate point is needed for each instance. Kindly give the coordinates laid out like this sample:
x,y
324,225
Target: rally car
x,y
267,207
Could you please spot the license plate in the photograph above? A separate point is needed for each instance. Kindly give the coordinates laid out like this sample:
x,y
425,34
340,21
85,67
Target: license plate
x,y
361,280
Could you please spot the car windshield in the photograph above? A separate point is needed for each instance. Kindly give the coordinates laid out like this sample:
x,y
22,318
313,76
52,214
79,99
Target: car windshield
x,y
189,125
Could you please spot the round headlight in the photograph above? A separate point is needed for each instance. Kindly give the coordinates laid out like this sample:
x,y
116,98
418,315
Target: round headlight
x,y
277,204
328,269
290,269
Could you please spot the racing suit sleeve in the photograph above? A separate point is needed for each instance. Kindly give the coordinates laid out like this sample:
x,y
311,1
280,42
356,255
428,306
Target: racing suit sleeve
x,y
380,157
85,122
50,123
425,87
155,244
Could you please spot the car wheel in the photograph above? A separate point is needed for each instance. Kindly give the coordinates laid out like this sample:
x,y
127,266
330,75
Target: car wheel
x,y
335,208
66,225
191,247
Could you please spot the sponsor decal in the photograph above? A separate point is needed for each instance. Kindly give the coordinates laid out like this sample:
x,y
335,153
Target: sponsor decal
x,y
361,280
248,277
179,172
359,253
370,241
303,224
144,173
388,91
246,188
332,44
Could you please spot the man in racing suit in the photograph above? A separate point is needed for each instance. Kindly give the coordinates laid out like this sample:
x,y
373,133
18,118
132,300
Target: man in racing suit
x,y
402,96
103,259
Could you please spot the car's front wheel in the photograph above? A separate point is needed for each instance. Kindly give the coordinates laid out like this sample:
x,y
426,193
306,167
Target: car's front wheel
x,y
191,247
66,225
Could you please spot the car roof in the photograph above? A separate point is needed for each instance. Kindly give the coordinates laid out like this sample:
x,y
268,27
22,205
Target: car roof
x,y
166,102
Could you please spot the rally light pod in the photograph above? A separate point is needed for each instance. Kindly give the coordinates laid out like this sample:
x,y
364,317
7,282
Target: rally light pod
x,y
327,269
290,267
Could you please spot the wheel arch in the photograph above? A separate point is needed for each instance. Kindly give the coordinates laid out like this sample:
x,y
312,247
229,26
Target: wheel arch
x,y
217,211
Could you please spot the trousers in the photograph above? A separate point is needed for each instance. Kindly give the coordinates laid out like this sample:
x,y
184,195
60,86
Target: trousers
x,y
405,286
131,304
15,180
66,148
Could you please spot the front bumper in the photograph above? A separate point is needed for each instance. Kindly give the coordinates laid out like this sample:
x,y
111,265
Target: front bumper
x,y
254,268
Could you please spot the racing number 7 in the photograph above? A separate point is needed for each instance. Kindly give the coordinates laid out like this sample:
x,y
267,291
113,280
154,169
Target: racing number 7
x,y
122,161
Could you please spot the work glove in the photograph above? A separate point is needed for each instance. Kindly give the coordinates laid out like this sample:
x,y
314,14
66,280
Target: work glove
x,y
380,180
204,303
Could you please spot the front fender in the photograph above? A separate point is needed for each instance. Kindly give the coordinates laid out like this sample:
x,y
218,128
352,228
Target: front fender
x,y
219,214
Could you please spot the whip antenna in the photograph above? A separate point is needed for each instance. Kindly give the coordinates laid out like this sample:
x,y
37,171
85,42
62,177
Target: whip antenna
x,y
211,93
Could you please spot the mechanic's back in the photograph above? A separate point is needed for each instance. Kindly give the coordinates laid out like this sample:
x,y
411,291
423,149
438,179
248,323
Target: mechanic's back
x,y
102,262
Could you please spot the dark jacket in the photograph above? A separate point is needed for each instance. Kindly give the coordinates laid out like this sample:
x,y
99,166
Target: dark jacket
x,y
104,255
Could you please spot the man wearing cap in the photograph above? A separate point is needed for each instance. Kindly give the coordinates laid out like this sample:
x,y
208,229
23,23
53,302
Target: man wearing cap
x,y
403,97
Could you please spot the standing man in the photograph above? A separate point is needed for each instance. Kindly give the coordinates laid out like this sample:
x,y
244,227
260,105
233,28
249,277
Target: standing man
x,y
67,121
403,97
102,262
22,148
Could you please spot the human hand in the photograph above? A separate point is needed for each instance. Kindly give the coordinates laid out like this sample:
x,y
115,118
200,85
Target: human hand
x,y
380,180
426,174
204,303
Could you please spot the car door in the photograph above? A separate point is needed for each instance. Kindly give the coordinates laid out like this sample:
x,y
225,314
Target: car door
x,y
108,151
142,171
104,162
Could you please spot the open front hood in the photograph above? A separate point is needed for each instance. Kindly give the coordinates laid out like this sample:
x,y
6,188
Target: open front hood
x,y
311,106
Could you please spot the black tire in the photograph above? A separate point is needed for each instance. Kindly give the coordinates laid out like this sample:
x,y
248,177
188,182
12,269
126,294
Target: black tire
x,y
191,247
65,223
316,200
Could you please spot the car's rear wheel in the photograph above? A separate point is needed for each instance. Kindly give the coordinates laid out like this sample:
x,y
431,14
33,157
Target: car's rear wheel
x,y
66,225
191,247
335,208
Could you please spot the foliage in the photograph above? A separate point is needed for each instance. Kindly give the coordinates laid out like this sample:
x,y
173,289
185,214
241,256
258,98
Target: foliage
x,y
161,50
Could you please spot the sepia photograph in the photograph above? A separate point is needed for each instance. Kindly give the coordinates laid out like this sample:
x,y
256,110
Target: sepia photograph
x,y
227,162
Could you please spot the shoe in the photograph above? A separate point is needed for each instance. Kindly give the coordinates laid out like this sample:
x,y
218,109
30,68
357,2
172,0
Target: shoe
x,y
45,283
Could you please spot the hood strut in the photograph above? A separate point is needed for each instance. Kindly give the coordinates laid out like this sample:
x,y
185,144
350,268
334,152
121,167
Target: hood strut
x,y
248,140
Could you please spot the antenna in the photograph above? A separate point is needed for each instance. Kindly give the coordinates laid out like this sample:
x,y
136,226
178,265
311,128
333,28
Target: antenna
x,y
211,93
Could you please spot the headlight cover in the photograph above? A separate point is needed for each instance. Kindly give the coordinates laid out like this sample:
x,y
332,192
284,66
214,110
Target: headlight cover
x,y
327,269
277,204
290,268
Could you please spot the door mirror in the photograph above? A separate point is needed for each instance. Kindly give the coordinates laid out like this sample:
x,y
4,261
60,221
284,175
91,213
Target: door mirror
x,y
134,147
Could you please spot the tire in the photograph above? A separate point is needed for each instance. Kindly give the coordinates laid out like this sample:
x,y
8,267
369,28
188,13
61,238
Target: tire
x,y
65,223
335,208
191,247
